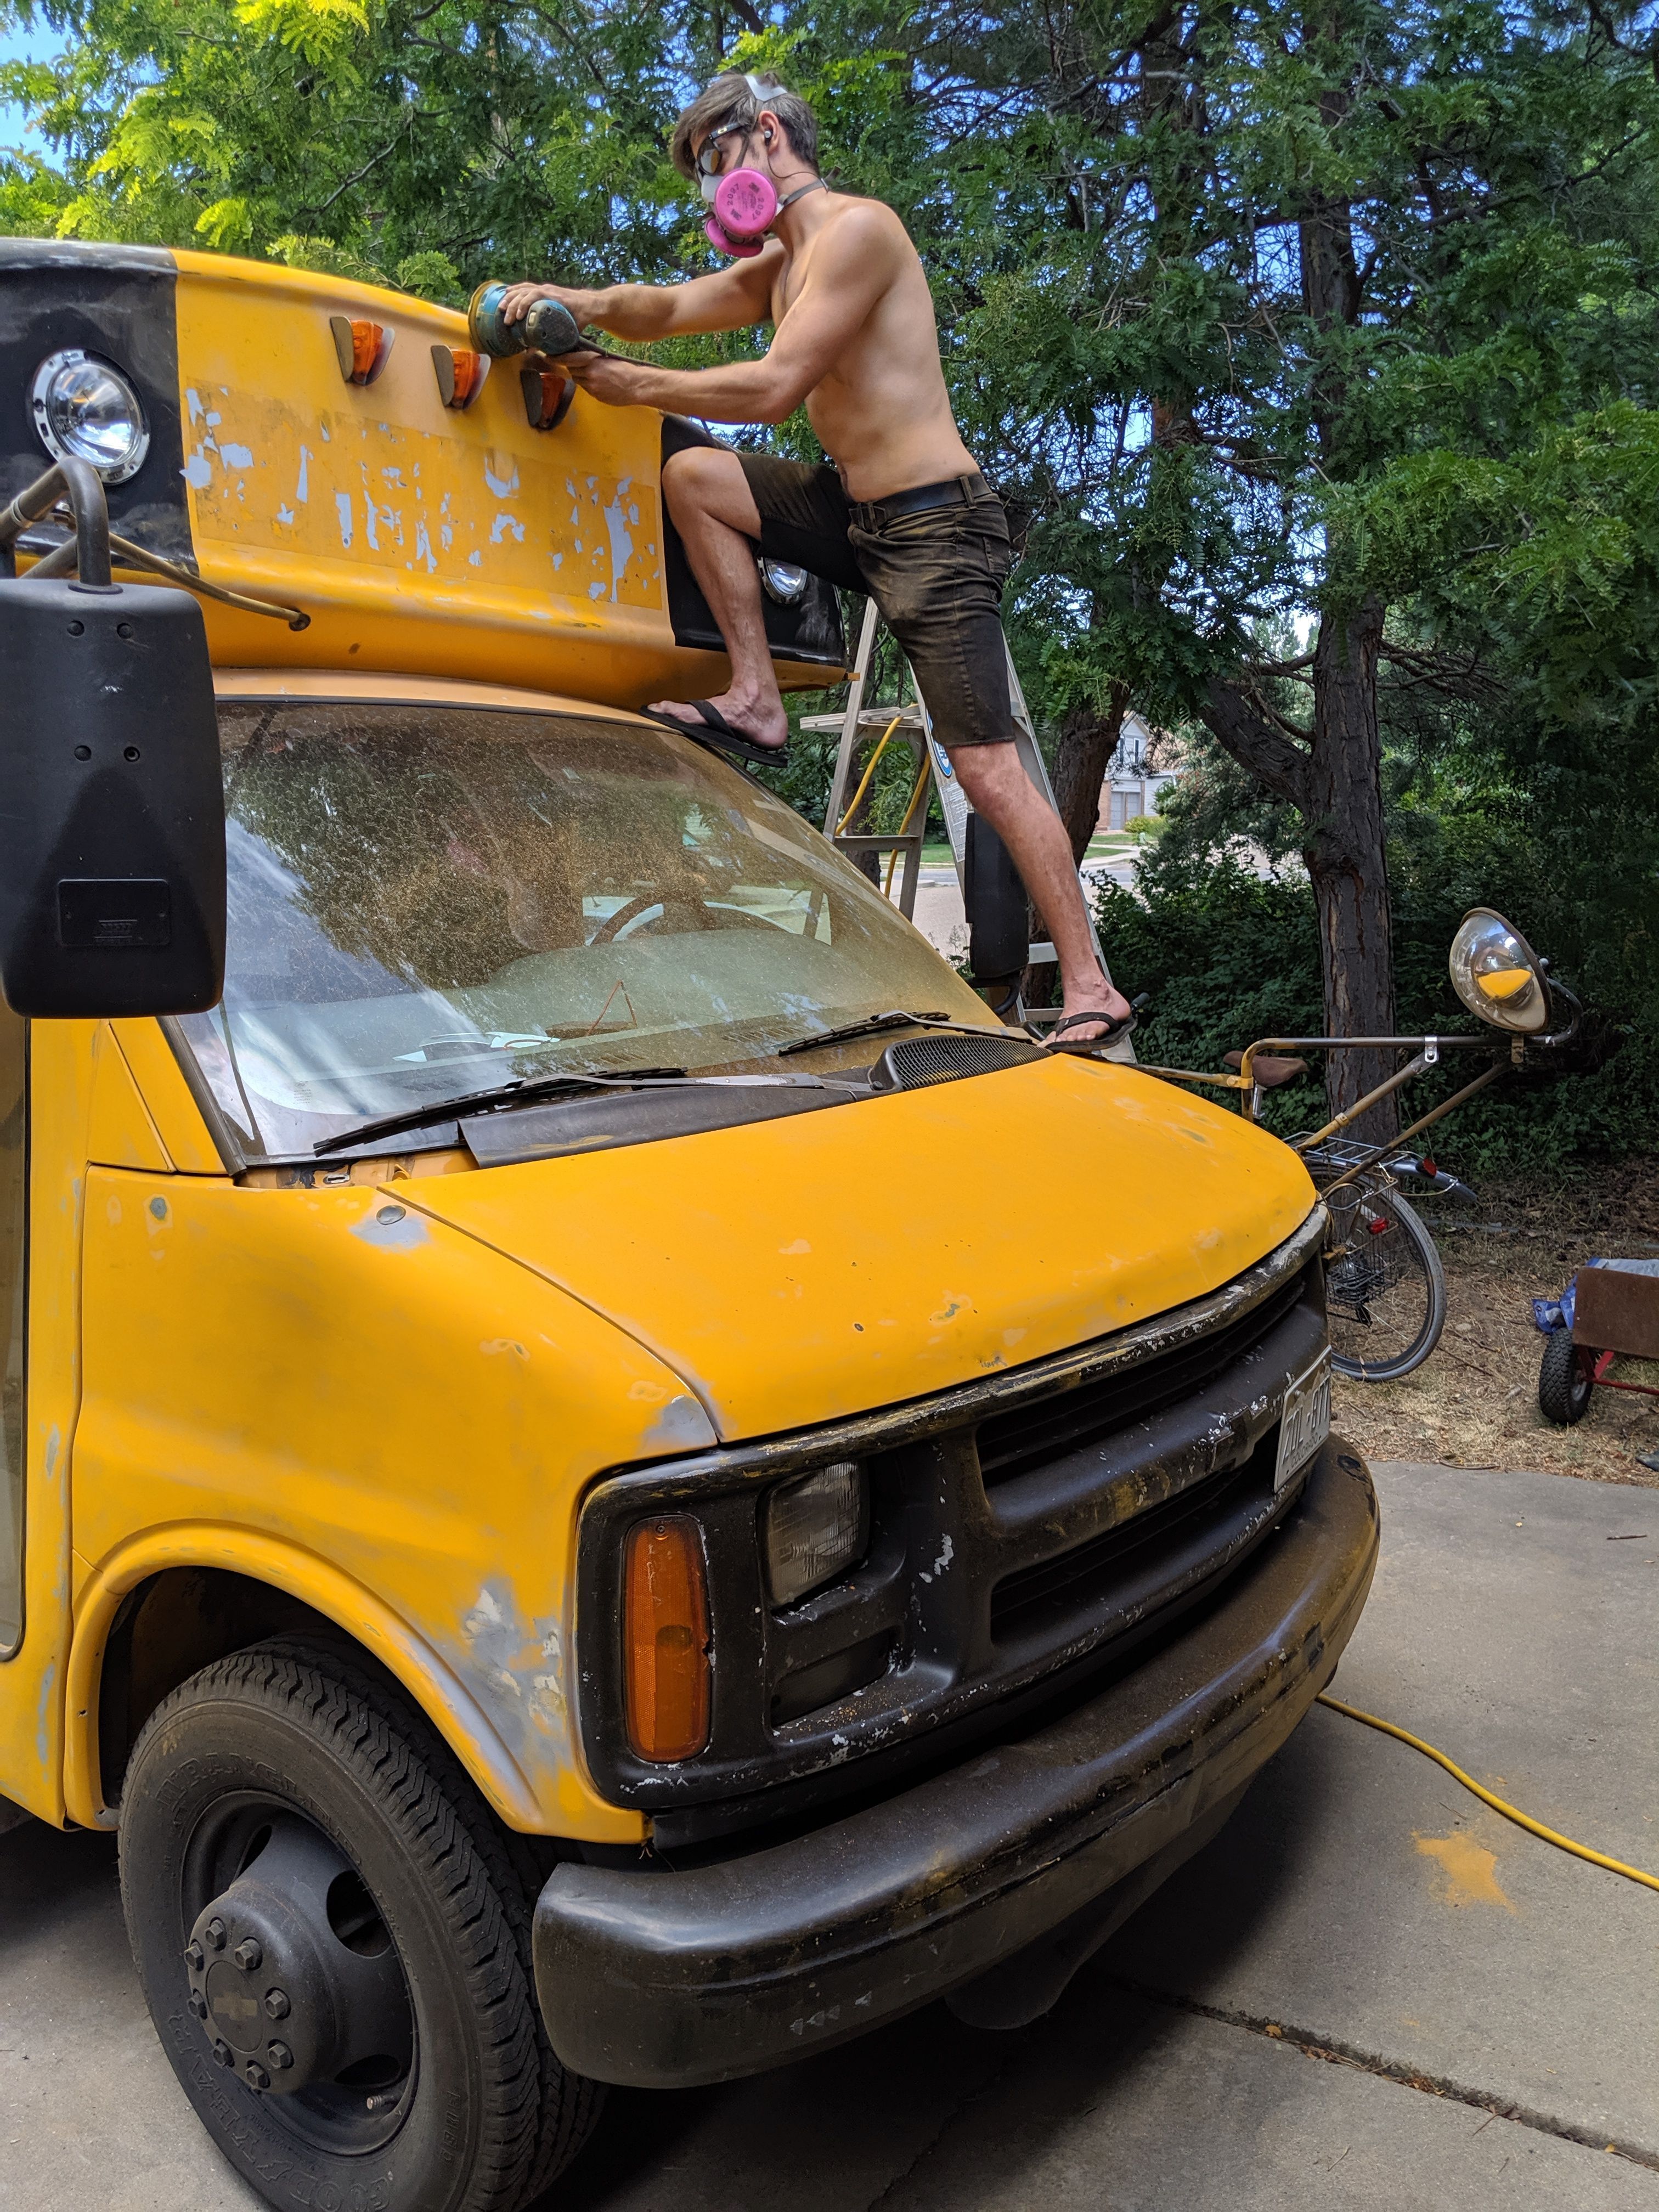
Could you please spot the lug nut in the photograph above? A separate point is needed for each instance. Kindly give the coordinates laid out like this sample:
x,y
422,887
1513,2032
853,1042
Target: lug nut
x,y
276,2004
222,2054
280,2055
195,1957
256,2076
198,2004
215,1932
248,1956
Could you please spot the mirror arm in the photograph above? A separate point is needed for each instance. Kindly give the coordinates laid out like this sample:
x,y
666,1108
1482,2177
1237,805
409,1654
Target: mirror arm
x,y
81,484
1565,1035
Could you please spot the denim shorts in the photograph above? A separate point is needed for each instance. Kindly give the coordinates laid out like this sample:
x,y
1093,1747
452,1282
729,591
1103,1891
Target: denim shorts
x,y
937,578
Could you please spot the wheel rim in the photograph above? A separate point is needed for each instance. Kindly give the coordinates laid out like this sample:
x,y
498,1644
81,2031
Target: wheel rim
x,y
293,1977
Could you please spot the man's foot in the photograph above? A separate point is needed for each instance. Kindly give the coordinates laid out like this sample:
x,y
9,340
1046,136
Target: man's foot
x,y
763,721
1082,1027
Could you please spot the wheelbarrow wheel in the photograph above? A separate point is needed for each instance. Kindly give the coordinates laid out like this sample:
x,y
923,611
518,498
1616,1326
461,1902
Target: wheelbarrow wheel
x,y
1564,1379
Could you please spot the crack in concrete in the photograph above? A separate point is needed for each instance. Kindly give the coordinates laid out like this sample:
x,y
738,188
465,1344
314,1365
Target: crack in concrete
x,y
969,2096
1335,2052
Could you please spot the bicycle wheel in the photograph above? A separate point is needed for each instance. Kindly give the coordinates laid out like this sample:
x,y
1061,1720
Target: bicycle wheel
x,y
1385,1291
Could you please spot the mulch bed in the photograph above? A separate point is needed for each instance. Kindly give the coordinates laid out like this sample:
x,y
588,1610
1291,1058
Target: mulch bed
x,y
1474,1402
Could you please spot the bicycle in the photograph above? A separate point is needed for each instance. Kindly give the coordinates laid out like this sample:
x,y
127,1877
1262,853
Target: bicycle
x,y
1384,1285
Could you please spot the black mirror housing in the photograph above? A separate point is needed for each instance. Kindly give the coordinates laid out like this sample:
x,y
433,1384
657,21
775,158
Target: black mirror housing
x,y
111,811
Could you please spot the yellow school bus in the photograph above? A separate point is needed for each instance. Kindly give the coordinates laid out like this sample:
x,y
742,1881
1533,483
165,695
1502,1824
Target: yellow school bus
x,y
564,1490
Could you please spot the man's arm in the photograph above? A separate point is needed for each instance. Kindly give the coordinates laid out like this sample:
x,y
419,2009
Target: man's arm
x,y
851,266
732,299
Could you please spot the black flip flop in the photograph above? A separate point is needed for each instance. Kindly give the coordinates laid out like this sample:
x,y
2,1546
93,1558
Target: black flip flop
x,y
1110,1035
717,734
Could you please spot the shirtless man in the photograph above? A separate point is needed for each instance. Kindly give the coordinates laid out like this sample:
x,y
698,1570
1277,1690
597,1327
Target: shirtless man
x,y
903,513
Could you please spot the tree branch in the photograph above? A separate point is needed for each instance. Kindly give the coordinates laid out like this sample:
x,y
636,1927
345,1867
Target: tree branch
x,y
1236,726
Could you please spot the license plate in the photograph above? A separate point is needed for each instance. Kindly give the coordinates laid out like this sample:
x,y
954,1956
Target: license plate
x,y
1306,1421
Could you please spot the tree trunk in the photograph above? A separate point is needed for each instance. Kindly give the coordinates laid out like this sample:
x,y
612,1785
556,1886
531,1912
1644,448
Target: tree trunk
x,y
1334,780
1347,862
1088,738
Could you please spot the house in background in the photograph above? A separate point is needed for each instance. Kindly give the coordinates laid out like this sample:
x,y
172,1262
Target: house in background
x,y
1147,760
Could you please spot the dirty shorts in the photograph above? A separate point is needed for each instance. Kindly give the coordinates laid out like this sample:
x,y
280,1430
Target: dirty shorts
x,y
936,576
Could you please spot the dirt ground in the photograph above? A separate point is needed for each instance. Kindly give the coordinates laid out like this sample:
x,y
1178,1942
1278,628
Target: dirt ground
x,y
1474,1402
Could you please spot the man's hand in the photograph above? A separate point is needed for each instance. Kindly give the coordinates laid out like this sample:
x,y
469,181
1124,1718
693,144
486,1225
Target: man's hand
x,y
521,298
616,383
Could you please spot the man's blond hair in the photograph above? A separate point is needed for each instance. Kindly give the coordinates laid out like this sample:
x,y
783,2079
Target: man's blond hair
x,y
733,102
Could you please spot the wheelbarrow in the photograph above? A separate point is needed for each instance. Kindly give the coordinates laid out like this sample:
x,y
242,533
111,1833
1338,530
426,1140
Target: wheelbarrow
x,y
1609,1308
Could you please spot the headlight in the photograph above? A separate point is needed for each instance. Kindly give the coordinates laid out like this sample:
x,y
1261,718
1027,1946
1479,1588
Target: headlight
x,y
813,1528
86,411
784,582
1495,972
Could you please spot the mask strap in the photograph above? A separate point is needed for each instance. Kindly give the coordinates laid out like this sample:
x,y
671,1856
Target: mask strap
x,y
801,192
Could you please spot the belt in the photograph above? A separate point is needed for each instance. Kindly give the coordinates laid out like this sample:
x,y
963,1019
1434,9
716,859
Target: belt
x,y
872,514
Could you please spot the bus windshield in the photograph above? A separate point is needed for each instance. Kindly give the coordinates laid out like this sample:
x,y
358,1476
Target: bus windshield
x,y
426,902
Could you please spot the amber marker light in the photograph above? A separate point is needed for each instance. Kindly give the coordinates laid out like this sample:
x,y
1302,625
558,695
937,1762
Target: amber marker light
x,y
361,347
460,374
666,1638
548,393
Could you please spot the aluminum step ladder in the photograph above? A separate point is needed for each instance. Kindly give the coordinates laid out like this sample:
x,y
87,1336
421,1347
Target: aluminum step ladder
x,y
908,723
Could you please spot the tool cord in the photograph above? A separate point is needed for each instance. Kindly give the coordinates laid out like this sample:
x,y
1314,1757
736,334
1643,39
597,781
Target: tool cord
x,y
1509,1812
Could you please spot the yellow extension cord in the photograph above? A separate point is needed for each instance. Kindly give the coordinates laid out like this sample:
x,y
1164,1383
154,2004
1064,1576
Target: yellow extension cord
x,y
1509,1812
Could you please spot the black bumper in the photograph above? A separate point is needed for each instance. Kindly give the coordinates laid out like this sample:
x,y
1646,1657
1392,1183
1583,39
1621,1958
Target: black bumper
x,y
666,1980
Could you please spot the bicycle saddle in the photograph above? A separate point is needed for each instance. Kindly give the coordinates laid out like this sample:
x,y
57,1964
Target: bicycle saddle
x,y
1267,1071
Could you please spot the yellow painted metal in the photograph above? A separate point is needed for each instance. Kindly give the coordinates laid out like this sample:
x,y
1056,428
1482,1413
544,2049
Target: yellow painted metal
x,y
177,1116
769,1267
62,1073
404,1417
419,540
121,1132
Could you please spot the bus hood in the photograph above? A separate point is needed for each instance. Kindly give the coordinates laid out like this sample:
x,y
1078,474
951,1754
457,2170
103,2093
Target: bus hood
x,y
797,1271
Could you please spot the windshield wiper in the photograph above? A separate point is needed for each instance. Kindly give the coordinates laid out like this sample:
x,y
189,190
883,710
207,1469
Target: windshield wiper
x,y
516,1093
872,1023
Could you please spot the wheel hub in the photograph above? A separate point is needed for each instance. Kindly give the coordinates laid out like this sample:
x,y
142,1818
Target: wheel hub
x,y
294,1976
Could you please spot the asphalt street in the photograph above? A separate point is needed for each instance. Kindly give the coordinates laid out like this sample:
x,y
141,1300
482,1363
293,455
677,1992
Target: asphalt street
x,y
1369,1991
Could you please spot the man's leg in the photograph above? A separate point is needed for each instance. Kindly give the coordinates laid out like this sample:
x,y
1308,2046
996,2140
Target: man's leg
x,y
995,784
720,526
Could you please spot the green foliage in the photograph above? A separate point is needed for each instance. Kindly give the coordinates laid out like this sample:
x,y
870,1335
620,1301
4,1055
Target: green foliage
x,y
1118,208
1230,956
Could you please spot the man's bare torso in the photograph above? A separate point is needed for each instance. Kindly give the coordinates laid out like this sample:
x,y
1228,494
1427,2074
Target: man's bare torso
x,y
882,412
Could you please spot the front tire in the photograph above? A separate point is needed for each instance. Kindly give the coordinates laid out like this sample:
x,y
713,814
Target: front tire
x,y
333,1937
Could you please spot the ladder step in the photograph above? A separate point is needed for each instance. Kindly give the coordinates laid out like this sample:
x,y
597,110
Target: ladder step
x,y
870,718
857,842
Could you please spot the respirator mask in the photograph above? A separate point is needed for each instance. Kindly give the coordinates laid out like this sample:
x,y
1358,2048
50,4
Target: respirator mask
x,y
745,202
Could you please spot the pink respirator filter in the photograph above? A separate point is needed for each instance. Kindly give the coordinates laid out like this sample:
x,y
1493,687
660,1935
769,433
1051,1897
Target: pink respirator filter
x,y
745,208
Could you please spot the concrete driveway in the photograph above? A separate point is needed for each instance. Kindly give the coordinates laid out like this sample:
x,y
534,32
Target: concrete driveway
x,y
1369,1991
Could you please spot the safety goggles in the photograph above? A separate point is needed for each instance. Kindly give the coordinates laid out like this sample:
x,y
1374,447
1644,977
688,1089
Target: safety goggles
x,y
710,160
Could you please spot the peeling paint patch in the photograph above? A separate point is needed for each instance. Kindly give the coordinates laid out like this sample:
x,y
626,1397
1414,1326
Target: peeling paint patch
x,y
682,1425
393,1229
43,1731
343,508
790,1251
198,471
237,457
494,1344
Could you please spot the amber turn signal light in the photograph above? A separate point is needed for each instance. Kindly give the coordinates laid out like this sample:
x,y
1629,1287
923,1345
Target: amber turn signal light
x,y
548,393
666,1638
361,347
460,374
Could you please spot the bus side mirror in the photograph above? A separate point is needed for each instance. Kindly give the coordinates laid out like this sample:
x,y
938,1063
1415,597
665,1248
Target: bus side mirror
x,y
111,811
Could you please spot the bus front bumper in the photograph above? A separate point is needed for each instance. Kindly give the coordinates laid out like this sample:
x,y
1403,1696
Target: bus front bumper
x,y
666,1980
